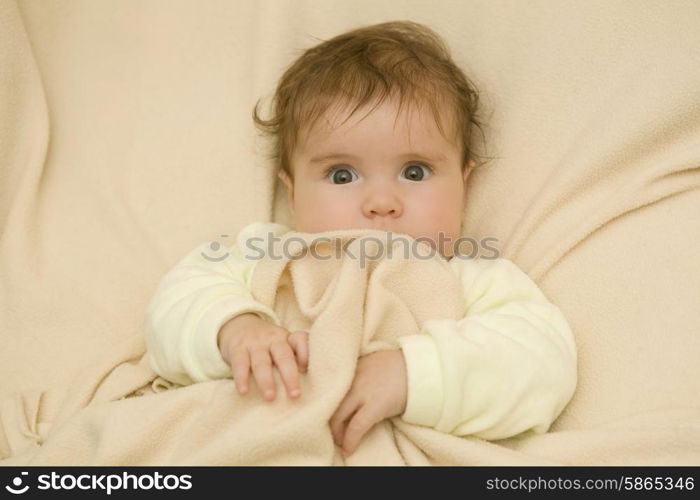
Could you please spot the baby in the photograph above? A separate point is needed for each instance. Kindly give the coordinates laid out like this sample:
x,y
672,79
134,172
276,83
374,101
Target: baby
x,y
373,130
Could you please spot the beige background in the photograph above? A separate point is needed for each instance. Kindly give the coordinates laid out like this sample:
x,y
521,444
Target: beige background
x,y
126,139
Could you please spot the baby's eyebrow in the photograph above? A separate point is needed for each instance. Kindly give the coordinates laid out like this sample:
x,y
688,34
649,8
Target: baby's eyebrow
x,y
405,156
332,156
423,156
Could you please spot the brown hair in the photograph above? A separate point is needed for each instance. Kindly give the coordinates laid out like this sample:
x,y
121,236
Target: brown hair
x,y
367,64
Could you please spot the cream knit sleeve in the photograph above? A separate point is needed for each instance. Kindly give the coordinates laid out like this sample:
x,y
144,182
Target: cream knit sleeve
x,y
195,298
508,366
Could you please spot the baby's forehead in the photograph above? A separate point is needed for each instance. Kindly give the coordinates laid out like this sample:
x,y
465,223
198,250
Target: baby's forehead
x,y
340,119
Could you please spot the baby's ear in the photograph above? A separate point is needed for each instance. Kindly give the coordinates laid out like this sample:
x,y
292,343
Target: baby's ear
x,y
287,181
468,169
284,177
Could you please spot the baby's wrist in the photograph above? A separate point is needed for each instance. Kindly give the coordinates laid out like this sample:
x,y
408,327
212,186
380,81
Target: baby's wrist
x,y
234,324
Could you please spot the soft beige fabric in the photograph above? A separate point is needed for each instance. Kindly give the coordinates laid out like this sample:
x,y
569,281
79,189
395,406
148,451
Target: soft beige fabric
x,y
126,139
507,366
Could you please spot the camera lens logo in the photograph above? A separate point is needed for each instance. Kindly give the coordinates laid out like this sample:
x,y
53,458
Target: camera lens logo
x,y
215,246
17,482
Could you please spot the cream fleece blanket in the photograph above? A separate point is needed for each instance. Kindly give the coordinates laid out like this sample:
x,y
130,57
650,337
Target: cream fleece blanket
x,y
124,143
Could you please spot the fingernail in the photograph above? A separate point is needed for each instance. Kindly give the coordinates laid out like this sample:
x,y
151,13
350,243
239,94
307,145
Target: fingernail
x,y
294,393
269,394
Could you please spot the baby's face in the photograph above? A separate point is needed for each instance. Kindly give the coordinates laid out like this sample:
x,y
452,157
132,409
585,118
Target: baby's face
x,y
375,173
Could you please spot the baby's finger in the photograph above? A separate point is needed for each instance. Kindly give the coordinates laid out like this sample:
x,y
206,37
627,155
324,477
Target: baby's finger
x,y
342,414
362,421
262,371
240,368
283,357
300,342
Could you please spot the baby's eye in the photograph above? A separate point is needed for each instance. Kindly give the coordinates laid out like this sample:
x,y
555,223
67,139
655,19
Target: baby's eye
x,y
340,175
417,172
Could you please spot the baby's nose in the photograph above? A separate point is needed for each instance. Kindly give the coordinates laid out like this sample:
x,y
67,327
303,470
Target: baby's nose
x,y
383,211
382,205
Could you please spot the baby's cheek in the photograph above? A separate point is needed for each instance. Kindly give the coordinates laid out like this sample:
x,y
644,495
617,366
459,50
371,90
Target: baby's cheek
x,y
446,232
325,218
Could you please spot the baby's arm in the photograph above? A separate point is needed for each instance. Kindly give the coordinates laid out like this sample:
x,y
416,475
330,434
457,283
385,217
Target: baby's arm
x,y
508,366
191,304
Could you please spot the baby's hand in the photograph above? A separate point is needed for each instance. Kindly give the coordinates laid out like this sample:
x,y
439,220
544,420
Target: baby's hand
x,y
248,341
379,391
